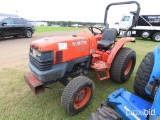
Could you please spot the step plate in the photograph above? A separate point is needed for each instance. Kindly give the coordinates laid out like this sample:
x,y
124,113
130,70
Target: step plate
x,y
100,65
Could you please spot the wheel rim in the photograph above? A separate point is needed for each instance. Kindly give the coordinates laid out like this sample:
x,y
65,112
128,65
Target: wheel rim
x,y
157,37
128,67
29,33
145,35
82,97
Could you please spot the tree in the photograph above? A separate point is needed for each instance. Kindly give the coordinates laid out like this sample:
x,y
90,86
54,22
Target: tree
x,y
69,23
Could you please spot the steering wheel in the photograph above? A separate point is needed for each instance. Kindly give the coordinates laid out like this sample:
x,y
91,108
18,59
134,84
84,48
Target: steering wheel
x,y
95,33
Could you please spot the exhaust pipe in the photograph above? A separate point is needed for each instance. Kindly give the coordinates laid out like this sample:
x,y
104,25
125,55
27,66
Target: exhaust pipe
x,y
35,85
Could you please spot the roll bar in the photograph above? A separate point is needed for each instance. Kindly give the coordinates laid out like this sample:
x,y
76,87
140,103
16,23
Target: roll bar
x,y
122,3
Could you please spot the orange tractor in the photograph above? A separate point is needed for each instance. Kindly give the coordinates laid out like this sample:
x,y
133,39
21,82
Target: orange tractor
x,y
55,59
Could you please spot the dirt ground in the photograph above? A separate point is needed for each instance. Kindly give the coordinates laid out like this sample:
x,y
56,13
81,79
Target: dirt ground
x,y
14,51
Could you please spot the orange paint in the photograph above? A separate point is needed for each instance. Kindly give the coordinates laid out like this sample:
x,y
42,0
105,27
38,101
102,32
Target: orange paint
x,y
82,97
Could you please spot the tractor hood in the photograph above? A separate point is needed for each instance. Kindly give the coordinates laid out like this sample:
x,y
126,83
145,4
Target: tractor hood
x,y
58,43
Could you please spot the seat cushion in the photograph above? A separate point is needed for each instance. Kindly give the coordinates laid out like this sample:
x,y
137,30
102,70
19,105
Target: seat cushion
x,y
109,34
104,43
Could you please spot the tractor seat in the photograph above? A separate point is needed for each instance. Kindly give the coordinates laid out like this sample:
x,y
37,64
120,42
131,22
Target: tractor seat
x,y
108,38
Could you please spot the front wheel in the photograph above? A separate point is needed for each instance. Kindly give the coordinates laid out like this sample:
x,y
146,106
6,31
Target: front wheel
x,y
77,94
28,33
123,65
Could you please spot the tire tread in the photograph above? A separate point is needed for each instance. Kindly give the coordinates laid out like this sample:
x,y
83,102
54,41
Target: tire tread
x,y
70,90
118,62
143,75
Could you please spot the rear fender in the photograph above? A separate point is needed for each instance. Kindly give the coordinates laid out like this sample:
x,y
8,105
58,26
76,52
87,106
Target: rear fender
x,y
119,44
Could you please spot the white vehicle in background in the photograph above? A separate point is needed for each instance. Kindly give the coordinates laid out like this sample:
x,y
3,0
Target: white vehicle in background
x,y
148,26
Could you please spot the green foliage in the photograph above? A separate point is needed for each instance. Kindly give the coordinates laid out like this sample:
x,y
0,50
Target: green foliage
x,y
17,102
70,23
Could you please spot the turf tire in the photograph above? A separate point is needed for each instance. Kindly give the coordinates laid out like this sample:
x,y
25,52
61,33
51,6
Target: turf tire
x,y
72,90
119,64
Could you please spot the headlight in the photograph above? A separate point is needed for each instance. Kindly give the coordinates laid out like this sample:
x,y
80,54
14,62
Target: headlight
x,y
38,54
48,55
35,52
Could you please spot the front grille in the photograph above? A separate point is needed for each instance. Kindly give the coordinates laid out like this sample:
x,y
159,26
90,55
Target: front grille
x,y
41,65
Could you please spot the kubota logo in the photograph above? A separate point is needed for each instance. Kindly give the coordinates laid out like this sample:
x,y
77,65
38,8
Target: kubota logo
x,y
77,43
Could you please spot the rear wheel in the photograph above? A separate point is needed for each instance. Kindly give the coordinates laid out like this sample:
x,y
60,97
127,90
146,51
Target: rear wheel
x,y
123,65
28,33
143,75
77,94
156,37
105,113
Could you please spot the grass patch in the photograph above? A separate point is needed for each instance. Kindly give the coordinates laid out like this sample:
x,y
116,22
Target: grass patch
x,y
40,29
17,102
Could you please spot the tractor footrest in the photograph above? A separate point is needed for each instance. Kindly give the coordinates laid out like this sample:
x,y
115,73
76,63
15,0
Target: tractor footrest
x,y
36,85
101,70
100,65
96,57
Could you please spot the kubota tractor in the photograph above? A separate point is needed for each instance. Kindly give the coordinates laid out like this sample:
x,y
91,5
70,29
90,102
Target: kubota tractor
x,y
55,59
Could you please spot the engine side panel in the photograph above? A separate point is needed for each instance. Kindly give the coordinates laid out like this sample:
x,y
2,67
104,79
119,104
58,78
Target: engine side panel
x,y
74,49
78,47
